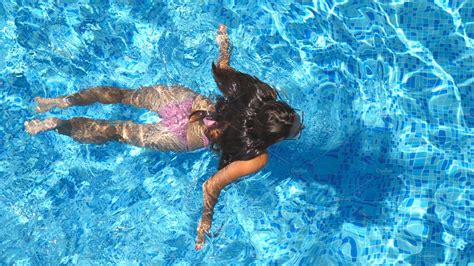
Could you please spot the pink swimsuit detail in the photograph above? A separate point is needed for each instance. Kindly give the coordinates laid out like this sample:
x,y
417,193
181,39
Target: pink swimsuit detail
x,y
175,117
207,122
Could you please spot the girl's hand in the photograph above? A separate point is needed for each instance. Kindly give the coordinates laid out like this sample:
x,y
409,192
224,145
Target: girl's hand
x,y
222,36
202,230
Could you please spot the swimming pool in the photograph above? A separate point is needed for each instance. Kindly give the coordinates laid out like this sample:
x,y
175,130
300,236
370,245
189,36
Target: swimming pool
x,y
382,174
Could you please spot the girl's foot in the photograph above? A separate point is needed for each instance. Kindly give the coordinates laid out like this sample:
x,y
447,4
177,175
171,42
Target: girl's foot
x,y
36,126
46,104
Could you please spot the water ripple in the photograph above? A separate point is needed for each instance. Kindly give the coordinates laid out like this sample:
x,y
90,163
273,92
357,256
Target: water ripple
x,y
382,174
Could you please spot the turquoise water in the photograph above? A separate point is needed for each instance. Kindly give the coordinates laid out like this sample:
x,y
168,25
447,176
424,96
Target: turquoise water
x,y
383,173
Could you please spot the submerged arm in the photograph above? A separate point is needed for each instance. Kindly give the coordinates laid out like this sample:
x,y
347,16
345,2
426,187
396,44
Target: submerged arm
x,y
223,42
232,83
213,186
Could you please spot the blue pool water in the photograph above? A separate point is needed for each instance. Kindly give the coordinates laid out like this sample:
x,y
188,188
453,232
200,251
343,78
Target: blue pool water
x,y
383,173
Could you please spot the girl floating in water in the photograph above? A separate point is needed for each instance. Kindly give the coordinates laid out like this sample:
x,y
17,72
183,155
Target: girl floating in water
x,y
241,125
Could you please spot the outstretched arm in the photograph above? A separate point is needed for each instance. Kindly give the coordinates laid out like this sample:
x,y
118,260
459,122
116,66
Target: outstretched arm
x,y
235,84
213,186
223,42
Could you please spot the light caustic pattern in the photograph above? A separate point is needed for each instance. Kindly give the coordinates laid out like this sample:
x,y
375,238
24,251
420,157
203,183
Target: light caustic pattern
x,y
382,174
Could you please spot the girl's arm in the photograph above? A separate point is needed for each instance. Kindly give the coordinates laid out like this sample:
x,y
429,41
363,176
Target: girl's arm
x,y
214,185
235,84
223,42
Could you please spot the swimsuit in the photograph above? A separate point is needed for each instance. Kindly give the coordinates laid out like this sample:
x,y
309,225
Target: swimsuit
x,y
175,117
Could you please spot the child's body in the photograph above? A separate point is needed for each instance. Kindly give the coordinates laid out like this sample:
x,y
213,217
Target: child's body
x,y
242,124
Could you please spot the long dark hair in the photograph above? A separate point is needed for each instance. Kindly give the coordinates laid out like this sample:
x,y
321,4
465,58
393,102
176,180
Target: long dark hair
x,y
248,117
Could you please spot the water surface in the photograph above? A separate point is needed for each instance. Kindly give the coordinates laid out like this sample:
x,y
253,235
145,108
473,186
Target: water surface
x,y
383,172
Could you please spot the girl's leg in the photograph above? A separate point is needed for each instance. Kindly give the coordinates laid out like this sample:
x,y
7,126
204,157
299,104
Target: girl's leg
x,y
154,136
105,95
85,130
158,96
151,97
81,129
36,126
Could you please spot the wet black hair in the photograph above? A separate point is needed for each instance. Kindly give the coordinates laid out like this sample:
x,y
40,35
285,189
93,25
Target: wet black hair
x,y
249,117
